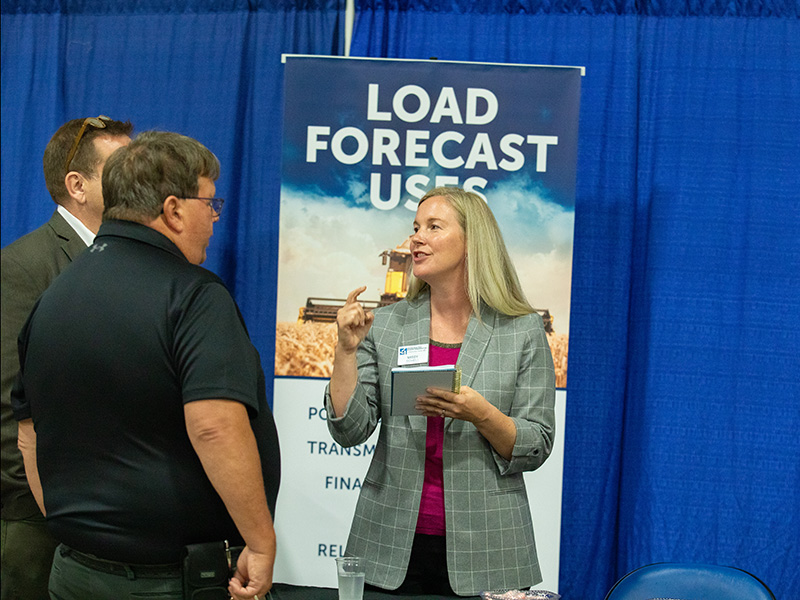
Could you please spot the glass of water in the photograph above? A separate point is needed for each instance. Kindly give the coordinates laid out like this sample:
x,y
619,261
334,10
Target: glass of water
x,y
351,577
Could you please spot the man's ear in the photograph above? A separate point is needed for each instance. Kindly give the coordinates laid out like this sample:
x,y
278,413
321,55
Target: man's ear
x,y
76,187
173,213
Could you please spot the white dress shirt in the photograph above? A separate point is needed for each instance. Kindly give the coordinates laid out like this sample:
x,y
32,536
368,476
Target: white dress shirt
x,y
83,232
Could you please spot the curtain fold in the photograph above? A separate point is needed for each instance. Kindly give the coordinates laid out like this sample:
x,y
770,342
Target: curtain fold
x,y
653,8
682,419
163,7
683,377
712,390
211,70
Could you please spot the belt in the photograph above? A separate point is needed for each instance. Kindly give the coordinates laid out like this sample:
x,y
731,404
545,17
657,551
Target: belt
x,y
131,571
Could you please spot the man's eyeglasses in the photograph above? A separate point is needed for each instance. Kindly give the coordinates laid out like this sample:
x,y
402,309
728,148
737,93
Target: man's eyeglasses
x,y
97,123
214,203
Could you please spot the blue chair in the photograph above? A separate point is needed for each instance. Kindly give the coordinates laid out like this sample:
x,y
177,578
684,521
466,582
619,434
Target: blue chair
x,y
685,581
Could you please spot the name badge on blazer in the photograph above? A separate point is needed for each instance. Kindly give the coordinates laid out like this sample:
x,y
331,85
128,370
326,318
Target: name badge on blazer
x,y
412,355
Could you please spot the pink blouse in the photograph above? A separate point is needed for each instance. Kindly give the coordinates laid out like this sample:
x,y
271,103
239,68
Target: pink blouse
x,y
431,506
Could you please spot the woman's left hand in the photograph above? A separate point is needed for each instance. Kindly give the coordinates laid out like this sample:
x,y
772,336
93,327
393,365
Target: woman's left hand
x,y
467,405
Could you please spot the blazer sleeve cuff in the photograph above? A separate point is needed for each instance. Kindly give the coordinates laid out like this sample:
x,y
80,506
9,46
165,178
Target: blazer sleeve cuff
x,y
530,450
352,427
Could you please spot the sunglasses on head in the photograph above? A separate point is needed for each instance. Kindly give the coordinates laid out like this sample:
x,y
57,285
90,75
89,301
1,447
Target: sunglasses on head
x,y
96,122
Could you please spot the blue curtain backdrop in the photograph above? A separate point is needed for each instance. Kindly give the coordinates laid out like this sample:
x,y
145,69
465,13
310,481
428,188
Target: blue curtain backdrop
x,y
208,68
684,387
683,403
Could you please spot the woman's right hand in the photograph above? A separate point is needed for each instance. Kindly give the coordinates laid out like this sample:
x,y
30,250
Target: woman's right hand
x,y
353,322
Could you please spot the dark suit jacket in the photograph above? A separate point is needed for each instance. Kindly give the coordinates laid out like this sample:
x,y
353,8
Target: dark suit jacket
x,y
490,543
28,267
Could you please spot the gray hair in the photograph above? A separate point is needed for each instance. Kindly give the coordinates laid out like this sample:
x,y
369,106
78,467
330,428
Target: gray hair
x,y
138,177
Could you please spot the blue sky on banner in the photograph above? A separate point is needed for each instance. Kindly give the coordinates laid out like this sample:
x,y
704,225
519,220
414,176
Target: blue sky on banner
x,y
363,140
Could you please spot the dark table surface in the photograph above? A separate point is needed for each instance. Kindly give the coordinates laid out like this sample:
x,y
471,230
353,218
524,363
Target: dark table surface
x,y
283,591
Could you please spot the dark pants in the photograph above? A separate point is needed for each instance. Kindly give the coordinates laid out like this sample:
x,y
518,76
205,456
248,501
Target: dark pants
x,y
72,580
427,568
26,556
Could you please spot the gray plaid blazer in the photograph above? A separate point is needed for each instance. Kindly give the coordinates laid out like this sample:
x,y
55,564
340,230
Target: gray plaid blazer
x,y
490,543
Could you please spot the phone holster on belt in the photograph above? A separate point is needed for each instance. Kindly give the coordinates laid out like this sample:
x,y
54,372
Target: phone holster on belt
x,y
206,571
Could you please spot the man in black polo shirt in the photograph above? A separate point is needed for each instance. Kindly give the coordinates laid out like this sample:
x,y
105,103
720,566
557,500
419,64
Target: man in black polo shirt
x,y
152,426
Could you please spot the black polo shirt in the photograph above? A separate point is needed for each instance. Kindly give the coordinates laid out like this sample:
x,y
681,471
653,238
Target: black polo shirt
x,y
126,335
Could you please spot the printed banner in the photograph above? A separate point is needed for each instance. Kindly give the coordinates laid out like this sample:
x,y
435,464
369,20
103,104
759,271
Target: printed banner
x,y
363,140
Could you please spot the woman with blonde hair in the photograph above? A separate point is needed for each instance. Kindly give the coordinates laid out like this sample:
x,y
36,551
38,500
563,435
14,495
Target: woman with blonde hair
x,y
491,277
443,507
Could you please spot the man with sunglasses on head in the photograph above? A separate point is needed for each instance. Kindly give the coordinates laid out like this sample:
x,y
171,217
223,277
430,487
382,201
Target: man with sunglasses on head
x,y
161,438
73,166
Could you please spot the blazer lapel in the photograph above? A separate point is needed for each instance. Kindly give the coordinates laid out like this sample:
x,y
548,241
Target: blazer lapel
x,y
417,327
475,343
476,340
416,330
69,240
